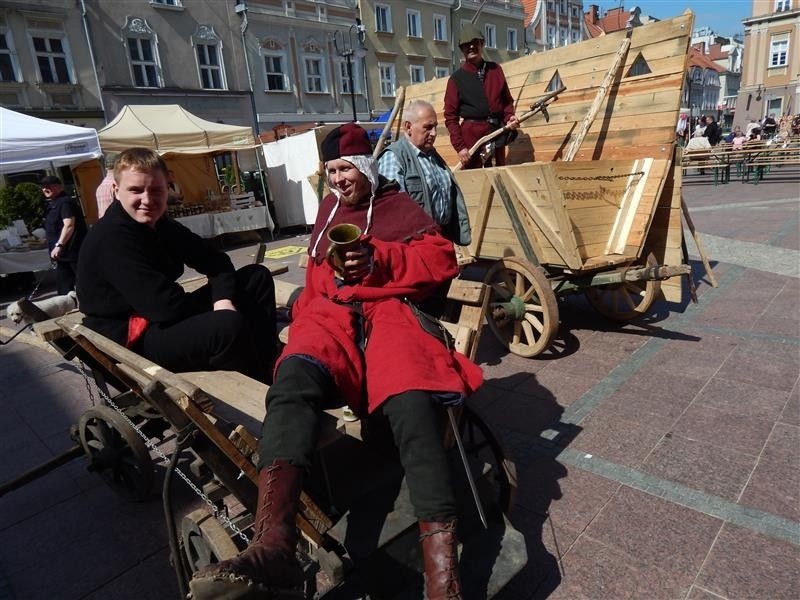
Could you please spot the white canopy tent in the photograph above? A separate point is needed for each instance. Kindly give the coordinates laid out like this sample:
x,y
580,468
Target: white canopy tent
x,y
28,143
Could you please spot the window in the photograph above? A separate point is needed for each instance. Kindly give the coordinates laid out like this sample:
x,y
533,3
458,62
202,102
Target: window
x,y
383,18
576,35
511,38
344,78
314,74
441,72
143,64
142,53
209,58
387,78
51,58
490,32
208,62
276,75
778,51
8,66
167,2
782,5
573,10
562,7
413,23
440,28
417,73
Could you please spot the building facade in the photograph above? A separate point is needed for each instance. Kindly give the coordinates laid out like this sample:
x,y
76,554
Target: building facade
x,y
333,60
771,63
725,53
46,64
553,23
186,52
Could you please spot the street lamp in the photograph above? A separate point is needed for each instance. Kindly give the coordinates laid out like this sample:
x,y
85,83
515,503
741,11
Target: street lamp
x,y
344,47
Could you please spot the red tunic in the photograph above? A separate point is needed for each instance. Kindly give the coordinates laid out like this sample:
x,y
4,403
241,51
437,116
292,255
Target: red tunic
x,y
399,356
464,134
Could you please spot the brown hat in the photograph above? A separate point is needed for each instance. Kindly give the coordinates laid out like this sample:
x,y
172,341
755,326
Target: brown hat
x,y
50,180
346,140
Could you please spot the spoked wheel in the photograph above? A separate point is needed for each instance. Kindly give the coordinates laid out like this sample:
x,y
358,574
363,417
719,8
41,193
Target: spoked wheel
x,y
628,300
523,311
205,541
493,466
116,452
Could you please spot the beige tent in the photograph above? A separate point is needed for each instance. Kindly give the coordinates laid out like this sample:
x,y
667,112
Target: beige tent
x,y
171,128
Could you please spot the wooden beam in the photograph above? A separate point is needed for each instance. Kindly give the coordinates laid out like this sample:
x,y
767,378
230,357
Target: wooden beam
x,y
602,92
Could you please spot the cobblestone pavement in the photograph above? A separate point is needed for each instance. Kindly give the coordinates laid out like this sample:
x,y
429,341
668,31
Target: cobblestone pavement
x,y
655,460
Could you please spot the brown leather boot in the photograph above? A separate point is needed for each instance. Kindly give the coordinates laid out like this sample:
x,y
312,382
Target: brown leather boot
x,y
269,562
440,555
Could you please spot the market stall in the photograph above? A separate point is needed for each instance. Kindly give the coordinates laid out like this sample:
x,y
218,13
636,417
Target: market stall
x,y
188,144
31,144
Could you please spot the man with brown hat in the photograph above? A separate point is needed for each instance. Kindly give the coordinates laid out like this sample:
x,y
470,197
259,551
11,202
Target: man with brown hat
x,y
65,229
477,101
356,339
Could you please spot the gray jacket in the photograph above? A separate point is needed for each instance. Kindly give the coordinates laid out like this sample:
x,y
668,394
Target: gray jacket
x,y
458,230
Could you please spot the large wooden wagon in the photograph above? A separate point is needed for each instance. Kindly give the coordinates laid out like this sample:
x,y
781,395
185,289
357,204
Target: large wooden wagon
x,y
590,200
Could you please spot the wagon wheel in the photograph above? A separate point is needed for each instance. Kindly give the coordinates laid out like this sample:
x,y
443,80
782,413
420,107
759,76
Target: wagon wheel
x,y
627,300
495,468
523,309
116,451
205,541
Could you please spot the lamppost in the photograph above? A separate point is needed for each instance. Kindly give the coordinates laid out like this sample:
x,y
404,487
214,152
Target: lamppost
x,y
344,47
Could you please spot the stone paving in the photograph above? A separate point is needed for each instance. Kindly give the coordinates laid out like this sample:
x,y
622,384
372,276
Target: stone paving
x,y
655,460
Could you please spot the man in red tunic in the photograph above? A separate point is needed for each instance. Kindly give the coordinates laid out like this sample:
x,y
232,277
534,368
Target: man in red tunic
x,y
477,101
355,339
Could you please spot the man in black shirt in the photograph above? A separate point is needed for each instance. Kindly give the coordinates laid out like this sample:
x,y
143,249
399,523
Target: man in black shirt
x,y
128,290
65,228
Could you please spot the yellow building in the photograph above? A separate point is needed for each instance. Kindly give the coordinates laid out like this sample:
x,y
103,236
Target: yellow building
x,y
771,64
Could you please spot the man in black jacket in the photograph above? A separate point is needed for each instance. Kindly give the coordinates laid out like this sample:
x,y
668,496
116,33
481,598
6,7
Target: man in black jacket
x,y
127,285
65,229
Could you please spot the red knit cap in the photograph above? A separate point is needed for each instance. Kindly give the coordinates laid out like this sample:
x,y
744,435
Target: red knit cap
x,y
346,140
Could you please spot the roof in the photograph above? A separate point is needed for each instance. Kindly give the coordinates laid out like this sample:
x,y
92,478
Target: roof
x,y
529,6
698,59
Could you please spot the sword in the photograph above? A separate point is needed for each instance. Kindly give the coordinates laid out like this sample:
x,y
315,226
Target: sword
x,y
463,454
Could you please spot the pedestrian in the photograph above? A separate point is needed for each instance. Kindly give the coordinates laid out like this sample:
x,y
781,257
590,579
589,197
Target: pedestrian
x,y
712,131
477,101
65,228
128,290
413,162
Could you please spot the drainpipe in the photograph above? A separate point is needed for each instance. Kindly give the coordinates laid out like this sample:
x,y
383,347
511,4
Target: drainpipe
x,y
85,20
453,34
241,9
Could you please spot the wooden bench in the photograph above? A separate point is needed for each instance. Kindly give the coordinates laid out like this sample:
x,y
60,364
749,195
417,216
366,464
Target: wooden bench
x,y
755,159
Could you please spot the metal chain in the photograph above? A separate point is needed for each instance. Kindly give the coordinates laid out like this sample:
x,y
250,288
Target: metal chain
x,y
599,177
218,514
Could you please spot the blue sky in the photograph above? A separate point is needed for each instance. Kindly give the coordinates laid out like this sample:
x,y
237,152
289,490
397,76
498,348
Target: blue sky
x,y
723,16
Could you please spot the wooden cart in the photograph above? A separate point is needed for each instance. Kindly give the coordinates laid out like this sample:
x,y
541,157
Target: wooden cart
x,y
590,199
358,528
549,229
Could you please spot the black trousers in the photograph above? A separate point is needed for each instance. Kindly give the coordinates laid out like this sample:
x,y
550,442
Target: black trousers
x,y
65,276
243,340
291,430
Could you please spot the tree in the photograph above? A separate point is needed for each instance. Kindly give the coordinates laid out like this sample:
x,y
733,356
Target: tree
x,y
22,201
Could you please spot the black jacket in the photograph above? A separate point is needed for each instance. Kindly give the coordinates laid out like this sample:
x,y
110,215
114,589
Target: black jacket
x,y
129,268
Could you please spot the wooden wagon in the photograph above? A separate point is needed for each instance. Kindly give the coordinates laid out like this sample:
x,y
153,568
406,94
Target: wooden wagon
x,y
359,531
590,200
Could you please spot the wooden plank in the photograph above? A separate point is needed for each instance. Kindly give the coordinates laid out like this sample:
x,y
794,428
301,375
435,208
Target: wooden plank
x,y
628,206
